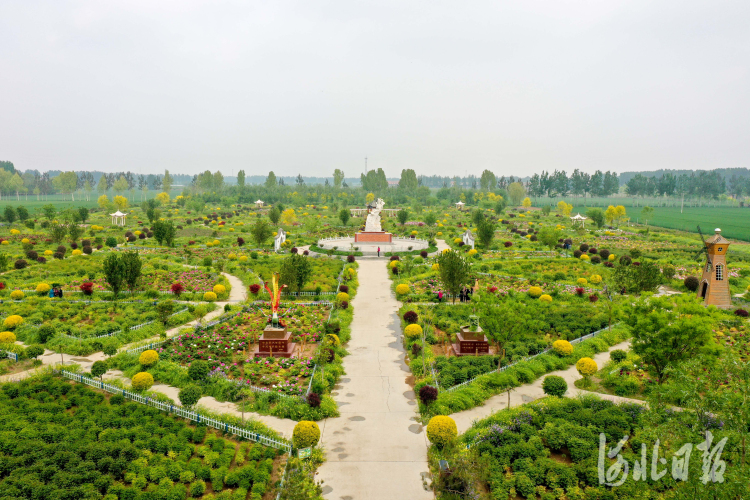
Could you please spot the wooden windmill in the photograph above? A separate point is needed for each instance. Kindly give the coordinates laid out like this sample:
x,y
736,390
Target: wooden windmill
x,y
714,284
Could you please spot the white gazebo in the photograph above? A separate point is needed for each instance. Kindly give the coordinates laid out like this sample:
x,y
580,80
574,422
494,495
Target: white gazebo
x,y
118,218
579,219
259,204
460,205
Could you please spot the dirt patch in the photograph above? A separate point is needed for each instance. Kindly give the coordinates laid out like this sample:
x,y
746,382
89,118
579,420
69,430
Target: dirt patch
x,y
410,381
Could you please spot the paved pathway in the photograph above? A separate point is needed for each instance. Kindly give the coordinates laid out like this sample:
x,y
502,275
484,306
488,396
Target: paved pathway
x,y
375,449
529,392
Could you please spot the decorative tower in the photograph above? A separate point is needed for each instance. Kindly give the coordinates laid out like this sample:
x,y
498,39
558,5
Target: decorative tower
x,y
714,285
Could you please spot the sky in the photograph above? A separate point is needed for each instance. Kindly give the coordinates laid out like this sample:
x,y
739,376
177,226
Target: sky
x,y
443,87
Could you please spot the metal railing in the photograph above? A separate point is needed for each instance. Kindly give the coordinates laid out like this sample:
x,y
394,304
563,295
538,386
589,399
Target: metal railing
x,y
182,412
9,355
528,358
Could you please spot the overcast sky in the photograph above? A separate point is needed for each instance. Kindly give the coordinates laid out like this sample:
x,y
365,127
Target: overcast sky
x,y
443,87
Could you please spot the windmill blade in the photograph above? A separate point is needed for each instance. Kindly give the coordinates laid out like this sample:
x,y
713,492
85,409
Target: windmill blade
x,y
705,245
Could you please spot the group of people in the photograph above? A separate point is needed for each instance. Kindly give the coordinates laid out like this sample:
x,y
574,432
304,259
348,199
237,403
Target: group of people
x,y
55,292
463,296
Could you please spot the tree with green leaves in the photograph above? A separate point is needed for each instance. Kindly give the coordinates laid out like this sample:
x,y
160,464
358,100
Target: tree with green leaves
x,y
486,232
241,179
110,349
645,277
596,215
402,216
549,236
271,181
164,231
132,266
164,309
83,214
338,177
34,351
274,215
57,231
23,213
647,213
4,262
190,395
454,272
667,331
295,271
99,368
430,218
500,320
260,232
114,273
500,205
9,214
344,216
74,231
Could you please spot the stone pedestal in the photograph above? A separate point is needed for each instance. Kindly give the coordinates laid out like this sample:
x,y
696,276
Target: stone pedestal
x,y
275,342
373,237
471,343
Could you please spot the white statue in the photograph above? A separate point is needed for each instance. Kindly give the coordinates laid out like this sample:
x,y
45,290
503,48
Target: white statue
x,y
372,224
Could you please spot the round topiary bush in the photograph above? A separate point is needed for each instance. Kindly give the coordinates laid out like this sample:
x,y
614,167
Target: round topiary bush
x,y
7,337
313,400
148,358
142,381
427,394
741,313
43,288
618,355
350,259
209,296
625,260
604,254
562,347
584,247
586,367
595,279
411,317
413,331
435,267
545,298
691,283
577,254
554,386
305,434
12,321
16,295
585,257
402,289
219,289
595,259
582,281
20,264
534,292
344,288
441,430
342,297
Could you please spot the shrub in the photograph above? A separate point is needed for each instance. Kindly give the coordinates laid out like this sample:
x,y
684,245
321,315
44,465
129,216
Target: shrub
x,y
219,289
305,434
142,381
88,250
585,257
435,267
626,261
586,367
209,296
595,259
313,400
555,386
546,298
691,283
562,347
32,255
411,317
35,351
402,289
342,297
427,394
76,252
741,313
534,292
593,298
43,288
45,333
344,305
413,331
16,295
20,264
441,430
87,288
177,289
190,395
350,258
254,288
198,370
577,254
197,488
148,358
7,337
12,321
618,355
111,242
595,278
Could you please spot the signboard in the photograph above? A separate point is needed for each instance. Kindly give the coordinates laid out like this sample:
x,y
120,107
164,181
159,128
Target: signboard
x,y
304,453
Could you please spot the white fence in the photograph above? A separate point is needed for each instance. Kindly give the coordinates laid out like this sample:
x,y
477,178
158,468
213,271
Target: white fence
x,y
182,412
9,355
528,358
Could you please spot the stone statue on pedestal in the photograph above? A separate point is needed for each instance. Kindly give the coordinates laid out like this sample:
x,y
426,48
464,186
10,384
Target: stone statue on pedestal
x,y
372,224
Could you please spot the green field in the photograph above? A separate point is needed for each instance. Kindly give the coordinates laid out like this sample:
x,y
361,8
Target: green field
x,y
734,222
57,200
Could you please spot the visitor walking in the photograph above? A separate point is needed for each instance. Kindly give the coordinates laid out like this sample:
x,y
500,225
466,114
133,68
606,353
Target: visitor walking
x,y
378,251
440,295
51,293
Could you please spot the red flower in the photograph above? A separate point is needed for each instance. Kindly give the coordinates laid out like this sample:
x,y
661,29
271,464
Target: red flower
x,y
177,288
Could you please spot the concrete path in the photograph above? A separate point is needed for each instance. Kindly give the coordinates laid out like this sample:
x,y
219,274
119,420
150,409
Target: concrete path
x,y
375,449
530,392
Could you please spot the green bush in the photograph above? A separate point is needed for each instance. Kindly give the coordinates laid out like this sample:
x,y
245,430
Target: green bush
x,y
618,355
554,385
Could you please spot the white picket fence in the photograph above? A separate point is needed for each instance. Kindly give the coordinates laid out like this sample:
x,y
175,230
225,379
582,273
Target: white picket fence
x,y
182,412
9,355
528,358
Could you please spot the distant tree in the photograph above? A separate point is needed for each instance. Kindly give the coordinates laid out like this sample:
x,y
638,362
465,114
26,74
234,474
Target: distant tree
x,y
402,216
167,181
274,215
83,214
338,177
260,232
22,213
430,218
549,236
488,181
647,213
516,191
596,215
500,205
114,273
271,181
486,232
295,271
344,216
636,279
454,272
190,395
241,178
132,266
121,184
164,309
10,214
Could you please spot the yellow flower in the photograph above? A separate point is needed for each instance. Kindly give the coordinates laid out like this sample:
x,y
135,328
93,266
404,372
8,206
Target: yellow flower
x,y
403,288
546,298
581,281
562,347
